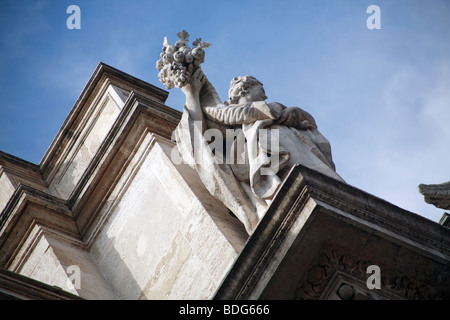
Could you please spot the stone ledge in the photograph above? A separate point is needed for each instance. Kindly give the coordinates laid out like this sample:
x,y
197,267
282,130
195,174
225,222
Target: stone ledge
x,y
23,208
101,77
310,201
14,286
138,116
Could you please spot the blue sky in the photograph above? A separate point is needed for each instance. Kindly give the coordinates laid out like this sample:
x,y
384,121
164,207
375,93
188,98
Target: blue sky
x,y
381,97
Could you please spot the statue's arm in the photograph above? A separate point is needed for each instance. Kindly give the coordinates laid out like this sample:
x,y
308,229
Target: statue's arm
x,y
239,114
192,93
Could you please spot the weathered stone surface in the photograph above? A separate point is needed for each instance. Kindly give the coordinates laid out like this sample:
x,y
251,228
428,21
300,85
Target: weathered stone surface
x,y
39,239
14,171
158,224
320,233
436,194
87,126
14,286
137,225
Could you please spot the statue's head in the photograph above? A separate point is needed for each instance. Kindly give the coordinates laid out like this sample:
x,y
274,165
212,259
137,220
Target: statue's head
x,y
245,89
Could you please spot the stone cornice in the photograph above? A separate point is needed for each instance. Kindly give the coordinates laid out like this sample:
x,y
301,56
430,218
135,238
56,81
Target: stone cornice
x,y
381,214
309,191
16,286
24,193
102,73
27,207
266,239
139,116
21,169
7,159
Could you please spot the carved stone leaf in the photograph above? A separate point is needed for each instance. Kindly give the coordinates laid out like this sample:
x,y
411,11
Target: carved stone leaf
x,y
197,42
183,35
204,45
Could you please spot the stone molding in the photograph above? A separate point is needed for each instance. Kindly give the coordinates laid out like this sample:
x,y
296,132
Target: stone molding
x,y
103,76
265,241
336,260
306,191
133,124
27,208
31,214
23,171
15,286
138,115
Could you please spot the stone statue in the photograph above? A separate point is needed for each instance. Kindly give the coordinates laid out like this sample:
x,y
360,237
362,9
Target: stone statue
x,y
436,194
244,147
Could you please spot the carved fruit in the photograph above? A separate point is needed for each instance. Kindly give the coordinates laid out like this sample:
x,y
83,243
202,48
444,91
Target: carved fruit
x,y
179,44
185,49
198,53
159,64
188,58
168,58
170,49
178,56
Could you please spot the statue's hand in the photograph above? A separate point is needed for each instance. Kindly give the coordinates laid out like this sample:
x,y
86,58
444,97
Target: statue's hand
x,y
194,86
294,117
